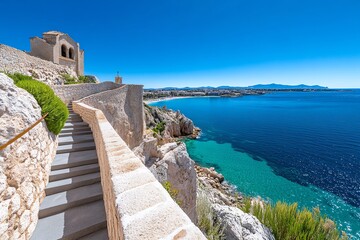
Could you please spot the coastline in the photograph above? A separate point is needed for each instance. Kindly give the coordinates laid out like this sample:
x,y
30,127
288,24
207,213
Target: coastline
x,y
224,191
155,100
338,217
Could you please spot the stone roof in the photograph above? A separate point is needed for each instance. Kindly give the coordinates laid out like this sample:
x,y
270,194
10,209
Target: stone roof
x,y
54,33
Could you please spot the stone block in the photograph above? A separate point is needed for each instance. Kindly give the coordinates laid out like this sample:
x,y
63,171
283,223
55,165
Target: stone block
x,y
25,220
15,203
132,179
4,210
140,198
155,223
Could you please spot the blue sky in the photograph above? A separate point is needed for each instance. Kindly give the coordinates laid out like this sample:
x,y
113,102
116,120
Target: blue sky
x,y
162,43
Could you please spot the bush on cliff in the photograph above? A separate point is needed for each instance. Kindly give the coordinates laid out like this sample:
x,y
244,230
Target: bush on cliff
x,y
172,191
81,79
207,221
46,98
287,222
159,128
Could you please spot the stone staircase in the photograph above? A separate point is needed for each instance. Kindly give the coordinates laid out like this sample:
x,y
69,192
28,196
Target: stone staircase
x,y
73,207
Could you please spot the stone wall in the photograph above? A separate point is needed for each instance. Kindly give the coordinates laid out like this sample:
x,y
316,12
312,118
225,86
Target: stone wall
x,y
13,60
73,92
136,204
123,108
41,48
25,164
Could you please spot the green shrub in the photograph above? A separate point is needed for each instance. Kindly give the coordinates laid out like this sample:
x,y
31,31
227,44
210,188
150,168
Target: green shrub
x,y
288,222
46,98
17,77
69,79
172,191
159,128
87,79
81,79
207,221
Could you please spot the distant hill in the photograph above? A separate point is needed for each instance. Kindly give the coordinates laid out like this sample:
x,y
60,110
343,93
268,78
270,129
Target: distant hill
x,y
280,86
258,86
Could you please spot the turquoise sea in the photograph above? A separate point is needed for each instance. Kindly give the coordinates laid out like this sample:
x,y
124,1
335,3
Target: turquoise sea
x,y
292,146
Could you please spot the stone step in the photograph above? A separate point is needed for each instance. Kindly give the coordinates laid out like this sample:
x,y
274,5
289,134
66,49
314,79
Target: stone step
x,y
63,140
73,159
59,202
74,119
72,114
75,147
86,131
74,223
71,183
75,124
99,235
56,175
76,129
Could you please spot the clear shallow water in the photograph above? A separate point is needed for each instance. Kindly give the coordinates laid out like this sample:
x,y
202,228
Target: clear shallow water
x,y
295,147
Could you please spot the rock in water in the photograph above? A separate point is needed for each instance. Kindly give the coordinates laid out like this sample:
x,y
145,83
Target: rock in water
x,y
240,225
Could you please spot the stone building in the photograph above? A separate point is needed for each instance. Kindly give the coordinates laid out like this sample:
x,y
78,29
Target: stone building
x,y
58,48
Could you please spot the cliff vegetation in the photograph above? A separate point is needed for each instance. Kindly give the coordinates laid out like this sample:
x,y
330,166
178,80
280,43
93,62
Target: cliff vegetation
x,y
69,79
46,98
287,222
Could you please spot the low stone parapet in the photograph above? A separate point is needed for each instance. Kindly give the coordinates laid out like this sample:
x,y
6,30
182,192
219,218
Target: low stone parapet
x,y
137,206
73,92
123,108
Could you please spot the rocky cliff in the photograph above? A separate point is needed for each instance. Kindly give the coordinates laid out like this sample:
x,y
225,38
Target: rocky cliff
x,y
175,124
168,160
25,164
15,61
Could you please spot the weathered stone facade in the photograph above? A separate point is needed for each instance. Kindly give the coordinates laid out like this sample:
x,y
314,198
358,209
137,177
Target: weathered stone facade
x,y
25,164
59,48
123,108
15,61
73,92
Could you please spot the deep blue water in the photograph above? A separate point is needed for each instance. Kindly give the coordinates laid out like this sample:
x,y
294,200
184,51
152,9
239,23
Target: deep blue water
x,y
305,142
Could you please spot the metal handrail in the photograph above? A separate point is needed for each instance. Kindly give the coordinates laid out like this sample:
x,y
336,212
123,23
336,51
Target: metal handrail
x,y
22,133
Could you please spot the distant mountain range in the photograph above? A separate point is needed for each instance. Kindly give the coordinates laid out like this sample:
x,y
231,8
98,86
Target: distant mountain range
x,y
280,86
258,86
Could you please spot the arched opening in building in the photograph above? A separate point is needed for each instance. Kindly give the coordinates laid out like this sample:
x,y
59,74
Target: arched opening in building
x,y
63,50
71,53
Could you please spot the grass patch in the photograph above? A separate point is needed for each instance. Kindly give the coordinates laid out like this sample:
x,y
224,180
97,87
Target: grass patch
x,y
46,98
287,222
207,221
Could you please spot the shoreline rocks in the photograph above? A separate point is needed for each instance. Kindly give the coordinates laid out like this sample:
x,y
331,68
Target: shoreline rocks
x,y
221,191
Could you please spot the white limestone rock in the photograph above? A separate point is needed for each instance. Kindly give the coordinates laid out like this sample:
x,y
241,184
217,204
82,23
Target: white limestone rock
x,y
164,149
176,124
177,167
147,150
240,225
25,164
